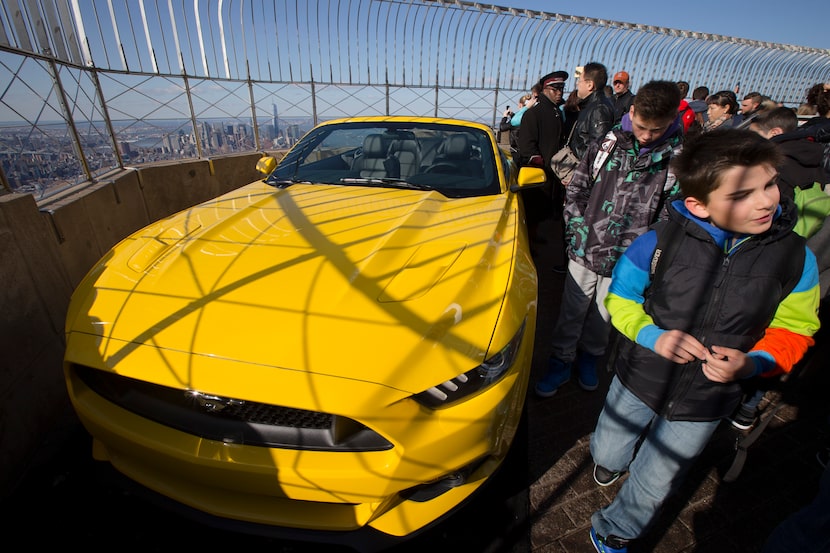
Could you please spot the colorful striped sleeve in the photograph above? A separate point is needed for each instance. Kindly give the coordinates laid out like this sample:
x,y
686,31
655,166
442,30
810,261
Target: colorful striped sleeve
x,y
626,294
791,331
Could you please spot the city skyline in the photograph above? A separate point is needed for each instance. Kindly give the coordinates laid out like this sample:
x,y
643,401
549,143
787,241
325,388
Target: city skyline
x,y
45,163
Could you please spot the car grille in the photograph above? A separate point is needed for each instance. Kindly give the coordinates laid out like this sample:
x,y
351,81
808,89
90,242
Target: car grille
x,y
232,420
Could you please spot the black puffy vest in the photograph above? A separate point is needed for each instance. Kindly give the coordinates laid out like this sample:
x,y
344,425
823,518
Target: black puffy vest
x,y
721,300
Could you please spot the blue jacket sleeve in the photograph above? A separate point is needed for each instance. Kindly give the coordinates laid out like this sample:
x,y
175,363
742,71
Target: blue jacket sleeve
x,y
626,294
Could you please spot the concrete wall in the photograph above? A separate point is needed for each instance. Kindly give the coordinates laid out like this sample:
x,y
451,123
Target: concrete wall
x,y
45,250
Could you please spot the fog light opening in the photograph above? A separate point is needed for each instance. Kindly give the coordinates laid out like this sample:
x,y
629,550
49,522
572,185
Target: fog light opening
x,y
431,490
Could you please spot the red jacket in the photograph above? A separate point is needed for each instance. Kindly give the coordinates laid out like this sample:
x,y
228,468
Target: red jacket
x,y
686,114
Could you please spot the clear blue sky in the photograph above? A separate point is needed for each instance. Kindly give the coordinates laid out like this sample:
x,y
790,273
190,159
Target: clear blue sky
x,y
799,22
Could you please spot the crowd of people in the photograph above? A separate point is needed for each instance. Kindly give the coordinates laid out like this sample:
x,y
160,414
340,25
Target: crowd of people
x,y
737,185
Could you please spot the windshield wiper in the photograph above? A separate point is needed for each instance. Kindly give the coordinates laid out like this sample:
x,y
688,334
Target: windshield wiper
x,y
398,183
282,183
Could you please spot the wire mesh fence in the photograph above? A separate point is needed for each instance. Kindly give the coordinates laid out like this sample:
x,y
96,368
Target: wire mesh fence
x,y
92,87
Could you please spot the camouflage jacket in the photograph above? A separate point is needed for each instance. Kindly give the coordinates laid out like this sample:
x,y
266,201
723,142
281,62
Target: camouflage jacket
x,y
614,197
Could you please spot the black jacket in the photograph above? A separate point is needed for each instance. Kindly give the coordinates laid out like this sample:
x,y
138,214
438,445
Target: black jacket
x,y
622,104
540,132
802,164
818,129
596,117
727,301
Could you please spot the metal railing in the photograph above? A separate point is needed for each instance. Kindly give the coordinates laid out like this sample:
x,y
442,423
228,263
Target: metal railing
x,y
92,87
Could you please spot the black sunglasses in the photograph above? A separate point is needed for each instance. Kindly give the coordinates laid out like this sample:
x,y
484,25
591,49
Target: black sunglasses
x,y
618,82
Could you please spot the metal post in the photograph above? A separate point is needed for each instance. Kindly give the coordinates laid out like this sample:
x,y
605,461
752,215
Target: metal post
x,y
193,123
67,114
107,121
254,123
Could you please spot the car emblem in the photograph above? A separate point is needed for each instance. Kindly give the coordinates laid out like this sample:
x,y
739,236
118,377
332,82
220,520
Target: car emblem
x,y
211,403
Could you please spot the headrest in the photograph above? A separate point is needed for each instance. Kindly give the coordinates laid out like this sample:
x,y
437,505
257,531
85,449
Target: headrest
x,y
457,147
405,145
374,145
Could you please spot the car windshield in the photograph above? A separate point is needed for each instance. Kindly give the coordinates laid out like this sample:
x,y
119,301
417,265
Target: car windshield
x,y
455,160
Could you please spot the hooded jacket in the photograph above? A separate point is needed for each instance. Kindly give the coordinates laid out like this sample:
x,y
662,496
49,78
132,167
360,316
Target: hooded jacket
x,y
756,293
611,200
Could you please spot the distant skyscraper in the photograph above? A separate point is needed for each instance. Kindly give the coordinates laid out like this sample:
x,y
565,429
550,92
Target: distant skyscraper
x,y
276,121
292,133
169,143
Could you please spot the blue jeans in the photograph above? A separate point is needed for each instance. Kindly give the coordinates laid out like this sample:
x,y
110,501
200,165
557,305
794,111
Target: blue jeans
x,y
668,450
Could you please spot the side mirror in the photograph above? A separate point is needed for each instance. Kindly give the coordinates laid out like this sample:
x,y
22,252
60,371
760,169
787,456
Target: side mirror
x,y
266,165
529,177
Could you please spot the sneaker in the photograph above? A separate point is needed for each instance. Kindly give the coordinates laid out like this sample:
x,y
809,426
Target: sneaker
x,y
823,456
611,544
605,477
587,371
744,418
558,373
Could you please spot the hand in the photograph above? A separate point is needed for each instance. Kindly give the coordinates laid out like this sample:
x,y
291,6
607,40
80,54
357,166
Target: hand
x,y
724,364
508,113
679,347
536,161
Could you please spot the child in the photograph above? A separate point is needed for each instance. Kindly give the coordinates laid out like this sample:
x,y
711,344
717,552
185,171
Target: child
x,y
722,291
800,176
619,188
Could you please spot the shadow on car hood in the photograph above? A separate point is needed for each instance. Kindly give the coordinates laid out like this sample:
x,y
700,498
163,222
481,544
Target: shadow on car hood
x,y
397,287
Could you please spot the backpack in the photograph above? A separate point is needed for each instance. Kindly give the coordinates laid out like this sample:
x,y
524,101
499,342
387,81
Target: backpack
x,y
813,205
606,147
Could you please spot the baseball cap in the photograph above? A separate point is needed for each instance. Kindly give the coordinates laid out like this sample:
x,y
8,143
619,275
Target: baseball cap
x,y
621,76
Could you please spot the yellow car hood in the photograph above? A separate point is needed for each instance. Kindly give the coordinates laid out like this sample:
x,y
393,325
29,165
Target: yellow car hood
x,y
398,287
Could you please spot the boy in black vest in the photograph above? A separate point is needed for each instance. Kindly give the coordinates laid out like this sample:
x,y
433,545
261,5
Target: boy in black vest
x,y
722,291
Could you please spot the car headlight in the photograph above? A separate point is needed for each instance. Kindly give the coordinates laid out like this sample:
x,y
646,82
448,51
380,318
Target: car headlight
x,y
474,380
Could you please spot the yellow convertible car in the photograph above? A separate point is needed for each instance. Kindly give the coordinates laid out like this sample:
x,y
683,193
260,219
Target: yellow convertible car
x,y
343,346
